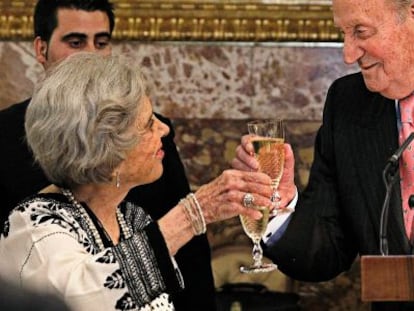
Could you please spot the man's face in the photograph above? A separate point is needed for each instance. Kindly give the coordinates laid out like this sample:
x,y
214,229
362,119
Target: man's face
x,y
380,42
76,31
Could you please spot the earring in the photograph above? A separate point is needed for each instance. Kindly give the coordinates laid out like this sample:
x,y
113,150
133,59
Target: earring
x,y
118,180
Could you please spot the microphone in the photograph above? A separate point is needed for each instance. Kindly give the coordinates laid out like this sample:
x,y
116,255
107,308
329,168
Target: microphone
x,y
390,177
393,160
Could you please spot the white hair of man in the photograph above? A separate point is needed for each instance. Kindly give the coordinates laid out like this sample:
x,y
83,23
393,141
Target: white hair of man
x,y
402,8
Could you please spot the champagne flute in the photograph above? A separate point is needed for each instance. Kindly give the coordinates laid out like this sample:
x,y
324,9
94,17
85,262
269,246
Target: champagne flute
x,y
272,157
268,143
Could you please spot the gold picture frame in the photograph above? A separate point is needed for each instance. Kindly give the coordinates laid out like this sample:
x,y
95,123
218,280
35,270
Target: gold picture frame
x,y
199,20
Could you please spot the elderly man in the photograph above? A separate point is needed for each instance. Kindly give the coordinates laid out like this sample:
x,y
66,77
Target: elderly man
x,y
337,217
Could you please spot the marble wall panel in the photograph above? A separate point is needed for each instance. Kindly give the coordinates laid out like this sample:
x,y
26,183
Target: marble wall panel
x,y
292,81
18,72
217,81
197,81
208,145
223,81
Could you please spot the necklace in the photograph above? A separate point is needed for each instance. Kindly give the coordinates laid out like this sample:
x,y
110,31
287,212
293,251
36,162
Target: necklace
x,y
84,214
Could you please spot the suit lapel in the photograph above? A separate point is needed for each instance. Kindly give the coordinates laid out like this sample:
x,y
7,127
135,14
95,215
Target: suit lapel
x,y
375,140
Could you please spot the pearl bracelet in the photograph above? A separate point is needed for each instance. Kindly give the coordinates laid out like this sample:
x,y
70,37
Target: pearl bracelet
x,y
194,214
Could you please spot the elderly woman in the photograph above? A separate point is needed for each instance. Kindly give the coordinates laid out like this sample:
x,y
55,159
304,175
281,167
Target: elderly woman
x,y
91,127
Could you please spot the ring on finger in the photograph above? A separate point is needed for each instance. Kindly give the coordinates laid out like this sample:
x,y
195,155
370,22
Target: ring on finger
x,y
248,200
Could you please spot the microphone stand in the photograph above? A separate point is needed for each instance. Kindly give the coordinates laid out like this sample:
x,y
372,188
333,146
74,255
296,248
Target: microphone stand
x,y
390,176
388,277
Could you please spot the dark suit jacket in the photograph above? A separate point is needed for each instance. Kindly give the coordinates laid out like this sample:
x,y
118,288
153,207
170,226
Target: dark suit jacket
x,y
20,177
338,214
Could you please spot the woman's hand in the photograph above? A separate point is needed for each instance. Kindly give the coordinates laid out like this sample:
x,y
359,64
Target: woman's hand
x,y
223,197
220,199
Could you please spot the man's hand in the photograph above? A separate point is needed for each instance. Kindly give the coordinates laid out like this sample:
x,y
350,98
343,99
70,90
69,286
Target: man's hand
x,y
245,161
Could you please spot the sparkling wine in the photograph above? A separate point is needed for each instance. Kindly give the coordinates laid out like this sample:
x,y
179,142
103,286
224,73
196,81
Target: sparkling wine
x,y
268,143
270,154
255,228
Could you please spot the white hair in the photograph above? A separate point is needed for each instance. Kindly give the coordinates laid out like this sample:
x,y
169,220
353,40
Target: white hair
x,y
79,119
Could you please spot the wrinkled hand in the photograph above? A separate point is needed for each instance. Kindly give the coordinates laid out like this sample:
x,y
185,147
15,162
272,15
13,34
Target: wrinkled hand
x,y
222,198
287,188
246,161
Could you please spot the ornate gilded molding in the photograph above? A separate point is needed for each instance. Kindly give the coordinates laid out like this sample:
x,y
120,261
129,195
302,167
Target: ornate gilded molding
x,y
193,20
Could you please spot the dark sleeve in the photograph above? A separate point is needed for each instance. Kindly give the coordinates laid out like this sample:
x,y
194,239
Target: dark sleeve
x,y
315,246
194,258
20,176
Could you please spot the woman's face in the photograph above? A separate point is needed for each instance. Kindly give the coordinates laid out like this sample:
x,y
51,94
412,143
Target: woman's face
x,y
143,164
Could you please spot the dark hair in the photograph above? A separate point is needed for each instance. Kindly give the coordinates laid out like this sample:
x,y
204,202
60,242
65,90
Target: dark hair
x,y
45,14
